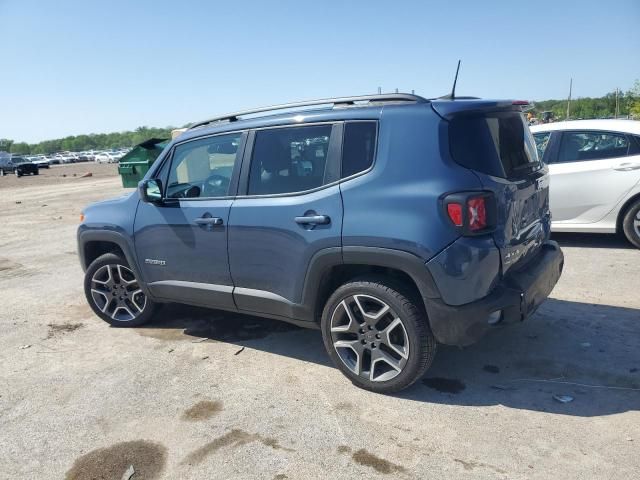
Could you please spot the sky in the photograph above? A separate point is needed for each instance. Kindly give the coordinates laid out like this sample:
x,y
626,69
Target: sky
x,y
76,67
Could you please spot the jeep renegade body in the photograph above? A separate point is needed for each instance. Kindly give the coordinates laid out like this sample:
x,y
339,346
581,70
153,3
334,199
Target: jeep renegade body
x,y
390,222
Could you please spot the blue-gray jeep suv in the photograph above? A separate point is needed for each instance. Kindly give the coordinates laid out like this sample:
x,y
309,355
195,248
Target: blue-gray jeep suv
x,y
390,222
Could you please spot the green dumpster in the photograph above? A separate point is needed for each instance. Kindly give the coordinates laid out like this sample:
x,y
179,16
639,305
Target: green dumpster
x,y
135,164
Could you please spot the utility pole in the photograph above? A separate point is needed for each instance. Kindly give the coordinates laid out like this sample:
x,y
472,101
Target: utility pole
x,y
617,112
569,99
379,90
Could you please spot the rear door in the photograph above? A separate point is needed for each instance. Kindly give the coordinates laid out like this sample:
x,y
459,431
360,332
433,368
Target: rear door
x,y
498,146
291,209
591,173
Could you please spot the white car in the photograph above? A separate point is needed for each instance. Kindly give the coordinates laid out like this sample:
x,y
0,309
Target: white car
x,y
101,158
105,157
41,161
594,167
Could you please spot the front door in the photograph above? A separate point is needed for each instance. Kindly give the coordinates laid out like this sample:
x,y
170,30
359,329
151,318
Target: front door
x,y
181,244
592,172
292,209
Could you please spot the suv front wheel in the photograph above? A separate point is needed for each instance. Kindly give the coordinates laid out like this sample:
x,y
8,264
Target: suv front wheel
x,y
376,335
114,293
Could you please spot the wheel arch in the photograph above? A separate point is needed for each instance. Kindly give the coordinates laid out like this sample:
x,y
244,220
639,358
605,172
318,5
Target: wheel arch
x,y
623,211
93,243
331,268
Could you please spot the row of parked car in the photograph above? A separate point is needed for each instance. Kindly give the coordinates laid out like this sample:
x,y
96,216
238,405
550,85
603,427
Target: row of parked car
x,y
44,161
17,165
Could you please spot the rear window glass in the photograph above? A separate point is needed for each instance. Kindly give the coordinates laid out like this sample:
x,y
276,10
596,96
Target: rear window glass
x,y
498,144
358,147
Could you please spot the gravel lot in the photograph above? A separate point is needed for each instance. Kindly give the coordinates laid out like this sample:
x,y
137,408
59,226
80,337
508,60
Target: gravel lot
x,y
259,399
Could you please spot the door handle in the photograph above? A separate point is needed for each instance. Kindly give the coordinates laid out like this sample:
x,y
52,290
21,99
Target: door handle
x,y
208,221
313,220
627,167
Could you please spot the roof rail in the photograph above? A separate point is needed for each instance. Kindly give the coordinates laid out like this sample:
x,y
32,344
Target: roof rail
x,y
390,97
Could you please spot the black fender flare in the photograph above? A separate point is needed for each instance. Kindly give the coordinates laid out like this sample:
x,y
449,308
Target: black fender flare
x,y
328,258
99,235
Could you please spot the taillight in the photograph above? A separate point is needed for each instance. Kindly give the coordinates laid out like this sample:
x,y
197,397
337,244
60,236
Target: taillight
x,y
473,213
455,213
477,211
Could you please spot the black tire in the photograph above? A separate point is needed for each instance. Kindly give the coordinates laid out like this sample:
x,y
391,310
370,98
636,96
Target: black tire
x,y
123,294
36,172
416,333
631,224
17,172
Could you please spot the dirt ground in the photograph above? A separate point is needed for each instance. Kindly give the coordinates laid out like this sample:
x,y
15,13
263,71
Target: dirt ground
x,y
59,174
207,394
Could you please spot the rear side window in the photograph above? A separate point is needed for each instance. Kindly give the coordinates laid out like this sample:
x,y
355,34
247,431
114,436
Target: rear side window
x,y
358,147
496,143
584,146
289,160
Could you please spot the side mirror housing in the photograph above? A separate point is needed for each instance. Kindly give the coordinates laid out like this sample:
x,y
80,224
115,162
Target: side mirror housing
x,y
150,191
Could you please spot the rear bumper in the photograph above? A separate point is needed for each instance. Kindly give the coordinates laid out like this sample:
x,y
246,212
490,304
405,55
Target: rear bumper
x,y
517,296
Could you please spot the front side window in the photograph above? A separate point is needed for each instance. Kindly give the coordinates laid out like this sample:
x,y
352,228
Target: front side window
x,y
542,140
358,147
289,160
584,146
203,168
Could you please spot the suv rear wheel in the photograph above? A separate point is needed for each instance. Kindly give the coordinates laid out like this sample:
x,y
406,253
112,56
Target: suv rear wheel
x,y
376,335
114,293
631,223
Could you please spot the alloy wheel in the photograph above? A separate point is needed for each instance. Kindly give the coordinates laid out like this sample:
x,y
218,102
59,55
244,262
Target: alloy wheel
x,y
636,223
369,338
116,292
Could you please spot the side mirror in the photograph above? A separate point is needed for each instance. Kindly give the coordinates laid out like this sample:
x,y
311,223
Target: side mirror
x,y
150,191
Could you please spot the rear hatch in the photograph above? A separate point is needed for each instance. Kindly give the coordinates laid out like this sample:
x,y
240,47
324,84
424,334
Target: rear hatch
x,y
493,140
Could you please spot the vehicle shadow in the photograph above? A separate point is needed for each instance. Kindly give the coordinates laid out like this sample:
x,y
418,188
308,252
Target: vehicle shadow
x,y
591,240
585,351
176,322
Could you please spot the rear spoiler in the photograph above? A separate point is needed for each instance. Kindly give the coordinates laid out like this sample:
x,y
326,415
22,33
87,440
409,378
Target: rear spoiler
x,y
449,108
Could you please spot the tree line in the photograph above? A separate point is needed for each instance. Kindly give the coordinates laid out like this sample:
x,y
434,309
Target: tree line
x,y
92,141
601,107
581,108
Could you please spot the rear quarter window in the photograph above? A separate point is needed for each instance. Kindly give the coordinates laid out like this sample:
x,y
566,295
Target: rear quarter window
x,y
358,147
542,141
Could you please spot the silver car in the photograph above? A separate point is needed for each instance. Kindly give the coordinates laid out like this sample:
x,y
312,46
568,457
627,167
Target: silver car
x,y
594,167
